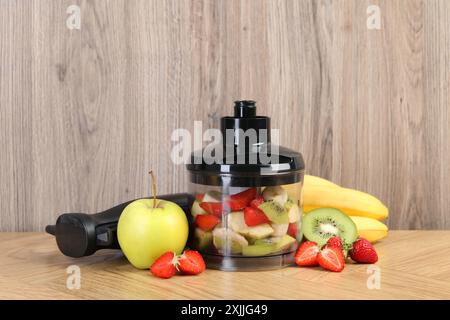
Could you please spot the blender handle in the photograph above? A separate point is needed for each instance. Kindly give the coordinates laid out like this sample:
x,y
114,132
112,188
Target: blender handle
x,y
184,200
81,234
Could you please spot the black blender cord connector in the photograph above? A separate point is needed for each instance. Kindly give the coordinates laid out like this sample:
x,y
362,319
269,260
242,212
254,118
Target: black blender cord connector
x,y
50,229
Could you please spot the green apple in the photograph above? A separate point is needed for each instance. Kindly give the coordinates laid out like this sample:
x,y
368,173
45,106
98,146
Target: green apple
x,y
148,228
146,232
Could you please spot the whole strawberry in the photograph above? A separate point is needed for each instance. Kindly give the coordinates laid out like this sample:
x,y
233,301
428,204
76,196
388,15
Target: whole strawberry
x,y
363,252
191,262
165,266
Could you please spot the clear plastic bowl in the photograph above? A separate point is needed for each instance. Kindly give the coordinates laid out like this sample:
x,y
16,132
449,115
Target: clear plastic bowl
x,y
246,228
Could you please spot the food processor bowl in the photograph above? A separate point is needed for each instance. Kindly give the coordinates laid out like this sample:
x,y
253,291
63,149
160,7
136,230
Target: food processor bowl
x,y
247,209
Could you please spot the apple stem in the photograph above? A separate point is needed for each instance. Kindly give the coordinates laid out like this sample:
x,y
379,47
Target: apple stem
x,y
153,188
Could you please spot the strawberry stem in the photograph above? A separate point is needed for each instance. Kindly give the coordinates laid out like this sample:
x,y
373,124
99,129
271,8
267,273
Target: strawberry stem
x,y
176,261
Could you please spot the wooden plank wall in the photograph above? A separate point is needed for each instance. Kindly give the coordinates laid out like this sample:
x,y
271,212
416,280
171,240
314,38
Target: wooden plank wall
x,y
85,113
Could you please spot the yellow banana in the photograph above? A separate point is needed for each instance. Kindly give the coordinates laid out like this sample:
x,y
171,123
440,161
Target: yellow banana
x,y
293,190
351,202
370,229
317,181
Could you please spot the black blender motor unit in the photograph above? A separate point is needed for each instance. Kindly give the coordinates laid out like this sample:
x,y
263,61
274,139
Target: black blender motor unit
x,y
79,234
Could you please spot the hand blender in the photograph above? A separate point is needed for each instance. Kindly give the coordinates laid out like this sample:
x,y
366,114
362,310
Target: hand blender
x,y
81,234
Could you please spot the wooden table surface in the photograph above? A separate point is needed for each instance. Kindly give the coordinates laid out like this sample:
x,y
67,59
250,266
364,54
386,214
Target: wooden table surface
x,y
412,265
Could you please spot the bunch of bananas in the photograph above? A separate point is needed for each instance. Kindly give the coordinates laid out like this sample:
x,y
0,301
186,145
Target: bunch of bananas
x,y
364,209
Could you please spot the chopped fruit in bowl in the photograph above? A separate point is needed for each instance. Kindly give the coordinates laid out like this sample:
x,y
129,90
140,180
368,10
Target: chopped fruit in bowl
x,y
255,203
254,216
207,222
241,200
199,197
292,230
214,208
276,194
203,239
252,222
268,246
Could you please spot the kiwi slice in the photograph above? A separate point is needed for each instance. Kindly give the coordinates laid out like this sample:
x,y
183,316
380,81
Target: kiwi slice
x,y
256,250
285,242
267,246
276,213
321,224
281,243
203,239
270,240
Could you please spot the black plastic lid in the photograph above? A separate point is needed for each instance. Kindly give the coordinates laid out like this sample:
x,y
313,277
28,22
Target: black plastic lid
x,y
245,162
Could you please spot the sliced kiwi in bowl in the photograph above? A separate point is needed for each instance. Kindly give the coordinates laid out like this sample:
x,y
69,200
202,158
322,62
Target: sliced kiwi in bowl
x,y
276,213
321,224
267,246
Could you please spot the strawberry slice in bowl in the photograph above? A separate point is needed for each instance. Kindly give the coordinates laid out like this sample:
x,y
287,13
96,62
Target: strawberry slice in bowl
x,y
292,230
241,200
236,202
254,217
214,208
206,222
255,203
199,197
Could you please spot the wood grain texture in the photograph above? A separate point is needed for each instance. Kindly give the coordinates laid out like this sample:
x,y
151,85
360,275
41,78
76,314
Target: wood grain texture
x,y
412,265
86,113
